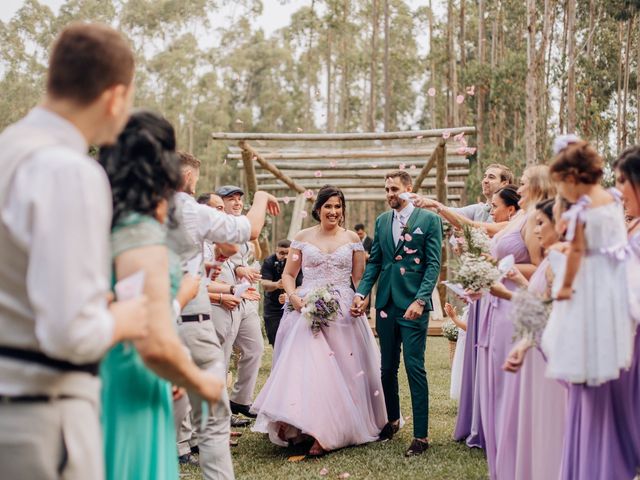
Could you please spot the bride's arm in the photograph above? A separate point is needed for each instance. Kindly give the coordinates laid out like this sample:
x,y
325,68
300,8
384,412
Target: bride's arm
x,y
289,275
357,268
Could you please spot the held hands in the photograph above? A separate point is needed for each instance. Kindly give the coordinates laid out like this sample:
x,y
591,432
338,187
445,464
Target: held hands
x,y
414,311
131,320
282,298
359,306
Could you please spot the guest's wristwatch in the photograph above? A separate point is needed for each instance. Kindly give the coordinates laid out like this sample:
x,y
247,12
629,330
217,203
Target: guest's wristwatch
x,y
421,302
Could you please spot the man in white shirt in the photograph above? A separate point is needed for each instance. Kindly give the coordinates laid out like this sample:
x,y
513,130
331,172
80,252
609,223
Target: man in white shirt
x,y
196,329
55,209
495,177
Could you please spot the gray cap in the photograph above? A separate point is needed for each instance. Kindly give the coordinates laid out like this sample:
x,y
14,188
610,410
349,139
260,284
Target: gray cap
x,y
227,190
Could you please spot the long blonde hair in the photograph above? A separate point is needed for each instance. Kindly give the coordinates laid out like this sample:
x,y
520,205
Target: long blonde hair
x,y
541,187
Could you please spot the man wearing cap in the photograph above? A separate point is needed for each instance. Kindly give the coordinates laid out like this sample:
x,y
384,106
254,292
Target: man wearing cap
x,y
245,331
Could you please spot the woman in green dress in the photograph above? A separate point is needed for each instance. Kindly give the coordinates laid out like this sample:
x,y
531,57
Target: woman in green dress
x,y
137,400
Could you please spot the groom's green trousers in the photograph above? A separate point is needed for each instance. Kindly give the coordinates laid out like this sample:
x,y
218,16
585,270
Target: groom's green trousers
x,y
398,334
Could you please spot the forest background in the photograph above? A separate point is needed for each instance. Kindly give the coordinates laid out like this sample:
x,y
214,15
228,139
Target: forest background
x,y
521,71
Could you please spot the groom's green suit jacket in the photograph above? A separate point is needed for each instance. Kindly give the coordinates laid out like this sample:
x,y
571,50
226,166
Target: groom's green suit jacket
x,y
409,270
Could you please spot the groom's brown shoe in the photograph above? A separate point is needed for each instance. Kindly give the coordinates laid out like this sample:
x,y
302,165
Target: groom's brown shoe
x,y
417,447
388,431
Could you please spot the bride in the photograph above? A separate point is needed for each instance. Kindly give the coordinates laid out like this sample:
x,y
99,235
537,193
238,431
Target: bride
x,y
326,388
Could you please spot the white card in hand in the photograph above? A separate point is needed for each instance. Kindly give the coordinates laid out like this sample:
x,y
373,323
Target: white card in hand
x,y
241,288
194,265
406,196
130,287
458,290
506,264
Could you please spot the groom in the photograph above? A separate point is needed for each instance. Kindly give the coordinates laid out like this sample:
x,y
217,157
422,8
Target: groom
x,y
405,255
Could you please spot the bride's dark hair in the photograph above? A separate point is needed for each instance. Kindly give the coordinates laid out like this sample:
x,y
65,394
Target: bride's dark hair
x,y
142,166
324,194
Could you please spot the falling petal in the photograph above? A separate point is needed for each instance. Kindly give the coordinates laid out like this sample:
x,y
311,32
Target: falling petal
x,y
333,163
317,174
373,165
295,257
411,251
398,257
303,214
471,91
286,200
431,92
344,475
401,166
459,137
461,150
360,373
417,260
471,150
308,194
419,137
446,134
299,130
376,393
323,472
460,99
408,237
402,270
412,167
383,314
239,122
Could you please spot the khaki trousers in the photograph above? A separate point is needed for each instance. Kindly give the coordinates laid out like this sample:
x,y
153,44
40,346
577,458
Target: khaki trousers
x,y
60,439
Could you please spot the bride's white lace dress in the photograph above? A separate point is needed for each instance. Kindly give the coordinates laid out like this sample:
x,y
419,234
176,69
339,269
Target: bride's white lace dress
x,y
326,386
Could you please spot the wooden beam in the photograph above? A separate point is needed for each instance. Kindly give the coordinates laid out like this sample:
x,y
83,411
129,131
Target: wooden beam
x,y
392,153
296,217
441,175
427,168
250,153
363,174
351,183
452,161
344,136
374,197
249,171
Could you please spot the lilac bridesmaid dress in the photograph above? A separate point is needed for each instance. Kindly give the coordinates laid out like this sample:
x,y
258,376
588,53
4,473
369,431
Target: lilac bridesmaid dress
x,y
603,422
532,423
495,339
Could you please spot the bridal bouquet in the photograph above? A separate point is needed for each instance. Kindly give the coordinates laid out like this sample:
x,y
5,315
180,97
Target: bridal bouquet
x,y
476,272
321,307
530,315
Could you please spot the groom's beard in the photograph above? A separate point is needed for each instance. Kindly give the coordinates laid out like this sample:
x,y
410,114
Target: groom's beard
x,y
394,203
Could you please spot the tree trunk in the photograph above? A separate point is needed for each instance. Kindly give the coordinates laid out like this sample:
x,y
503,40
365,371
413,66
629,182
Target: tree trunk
x,y
627,51
432,100
637,139
531,95
387,79
330,122
586,128
452,119
481,88
571,77
563,86
373,67
461,36
619,93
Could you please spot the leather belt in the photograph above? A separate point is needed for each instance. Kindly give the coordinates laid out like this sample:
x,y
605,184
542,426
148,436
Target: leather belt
x,y
8,399
42,359
195,318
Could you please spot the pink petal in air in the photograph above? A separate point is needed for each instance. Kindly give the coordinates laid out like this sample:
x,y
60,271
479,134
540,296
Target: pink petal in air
x,y
398,257
431,92
460,99
303,214
308,194
446,134
408,237
461,151
459,137
317,174
286,200
376,393
344,475
360,374
295,257
471,150
412,167
323,472
402,166
333,164
383,314
411,251
417,260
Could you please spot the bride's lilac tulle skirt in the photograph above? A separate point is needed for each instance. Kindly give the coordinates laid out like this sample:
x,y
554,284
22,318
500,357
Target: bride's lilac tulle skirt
x,y
326,386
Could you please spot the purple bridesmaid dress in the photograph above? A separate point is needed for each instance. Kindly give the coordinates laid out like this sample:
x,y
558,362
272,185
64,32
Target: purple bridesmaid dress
x,y
495,341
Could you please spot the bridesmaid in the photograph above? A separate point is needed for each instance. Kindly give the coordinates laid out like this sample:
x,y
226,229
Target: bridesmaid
x,y
137,416
532,426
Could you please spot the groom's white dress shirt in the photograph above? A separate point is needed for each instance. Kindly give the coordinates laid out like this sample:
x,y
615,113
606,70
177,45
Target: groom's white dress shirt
x,y
400,220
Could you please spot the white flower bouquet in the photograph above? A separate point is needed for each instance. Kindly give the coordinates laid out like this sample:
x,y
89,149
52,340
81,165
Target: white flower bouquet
x,y
321,307
476,241
530,314
476,272
450,331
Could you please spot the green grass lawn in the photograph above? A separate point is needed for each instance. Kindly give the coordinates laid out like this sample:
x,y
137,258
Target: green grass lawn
x,y
257,458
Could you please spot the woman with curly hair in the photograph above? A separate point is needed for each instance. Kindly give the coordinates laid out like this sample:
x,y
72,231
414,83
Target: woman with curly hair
x,y
143,169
